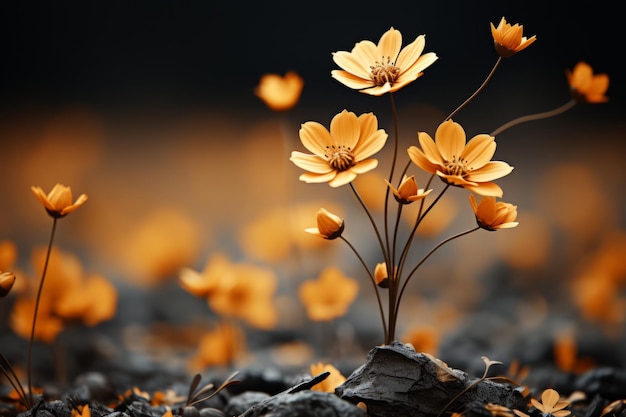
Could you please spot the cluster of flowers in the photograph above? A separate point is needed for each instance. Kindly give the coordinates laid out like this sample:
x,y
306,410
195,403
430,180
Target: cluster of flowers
x,y
346,149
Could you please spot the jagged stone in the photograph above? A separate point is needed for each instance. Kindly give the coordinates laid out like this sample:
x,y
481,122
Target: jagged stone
x,y
398,381
305,404
300,401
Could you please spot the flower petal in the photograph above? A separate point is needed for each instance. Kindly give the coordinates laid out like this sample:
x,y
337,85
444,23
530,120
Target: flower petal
x,y
389,45
490,171
315,137
488,189
350,80
342,178
450,139
311,163
479,151
310,177
345,129
364,166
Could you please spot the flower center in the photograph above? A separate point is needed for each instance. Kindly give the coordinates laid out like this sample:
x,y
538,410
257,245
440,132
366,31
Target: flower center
x,y
458,166
340,158
384,72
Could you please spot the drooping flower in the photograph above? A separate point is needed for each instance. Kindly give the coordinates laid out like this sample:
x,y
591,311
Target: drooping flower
x,y
7,279
508,39
492,215
383,68
341,153
332,381
407,192
280,93
585,86
329,296
381,276
58,203
461,164
329,225
550,404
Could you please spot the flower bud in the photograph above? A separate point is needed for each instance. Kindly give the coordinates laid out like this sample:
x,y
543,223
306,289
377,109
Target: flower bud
x,y
7,280
329,225
492,215
408,192
380,275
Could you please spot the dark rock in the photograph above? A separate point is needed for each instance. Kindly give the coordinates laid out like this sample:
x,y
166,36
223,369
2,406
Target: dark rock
x,y
242,402
396,380
305,404
610,383
300,401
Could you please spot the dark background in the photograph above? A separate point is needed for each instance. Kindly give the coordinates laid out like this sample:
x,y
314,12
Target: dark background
x,y
124,55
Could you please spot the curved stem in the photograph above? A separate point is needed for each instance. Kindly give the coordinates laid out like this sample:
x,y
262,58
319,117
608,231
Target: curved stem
x,y
536,116
420,217
369,215
481,88
373,280
440,244
32,329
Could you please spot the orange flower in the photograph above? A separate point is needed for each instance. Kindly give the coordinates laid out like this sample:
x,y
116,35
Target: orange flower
x,y
280,93
69,295
408,192
550,404
202,284
7,280
58,203
508,39
329,296
461,164
81,411
329,225
341,153
219,347
48,324
585,86
332,381
383,68
246,292
492,215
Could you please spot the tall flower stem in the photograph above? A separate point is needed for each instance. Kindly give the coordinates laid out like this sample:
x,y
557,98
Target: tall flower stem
x,y
433,250
369,215
536,116
481,88
389,257
373,280
32,329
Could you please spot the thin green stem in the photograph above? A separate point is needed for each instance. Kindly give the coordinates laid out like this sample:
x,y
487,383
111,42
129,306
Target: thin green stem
x,y
536,116
32,329
433,250
373,281
481,88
